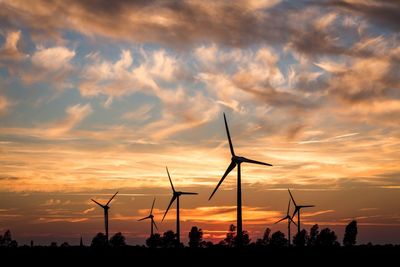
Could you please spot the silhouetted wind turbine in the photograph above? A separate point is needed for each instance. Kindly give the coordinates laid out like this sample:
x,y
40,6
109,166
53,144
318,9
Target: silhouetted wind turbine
x,y
176,195
297,210
151,217
236,161
105,208
290,220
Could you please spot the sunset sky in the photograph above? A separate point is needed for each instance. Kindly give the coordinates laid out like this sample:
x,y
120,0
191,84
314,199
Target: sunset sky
x,y
99,96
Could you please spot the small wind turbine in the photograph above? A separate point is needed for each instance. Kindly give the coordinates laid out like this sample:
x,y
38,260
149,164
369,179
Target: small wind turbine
x,y
236,161
297,209
151,217
105,208
176,195
290,220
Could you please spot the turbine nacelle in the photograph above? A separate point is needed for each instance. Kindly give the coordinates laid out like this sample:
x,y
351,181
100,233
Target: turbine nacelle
x,y
175,194
235,160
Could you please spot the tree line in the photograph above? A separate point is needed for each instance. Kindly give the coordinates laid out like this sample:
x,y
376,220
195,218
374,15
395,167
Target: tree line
x,y
315,237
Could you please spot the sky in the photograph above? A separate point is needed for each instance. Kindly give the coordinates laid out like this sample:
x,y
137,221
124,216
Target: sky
x,y
100,96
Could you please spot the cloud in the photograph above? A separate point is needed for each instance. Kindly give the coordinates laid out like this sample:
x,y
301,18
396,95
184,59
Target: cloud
x,y
155,21
62,219
75,114
50,65
10,51
53,58
86,211
4,105
142,113
381,12
225,214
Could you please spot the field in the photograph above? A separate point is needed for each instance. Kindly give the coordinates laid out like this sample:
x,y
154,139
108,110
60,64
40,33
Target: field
x,y
141,256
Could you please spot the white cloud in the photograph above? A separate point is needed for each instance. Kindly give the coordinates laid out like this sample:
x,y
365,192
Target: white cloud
x,y
53,58
75,114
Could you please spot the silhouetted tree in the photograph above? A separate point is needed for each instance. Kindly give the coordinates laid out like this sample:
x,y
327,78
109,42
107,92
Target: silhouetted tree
x,y
264,241
327,238
53,244
206,244
13,244
350,234
154,241
230,236
6,240
245,239
278,239
312,239
195,237
65,245
117,240
99,240
81,243
299,240
169,239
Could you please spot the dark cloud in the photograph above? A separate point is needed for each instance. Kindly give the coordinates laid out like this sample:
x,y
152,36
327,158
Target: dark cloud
x,y
8,178
384,13
174,23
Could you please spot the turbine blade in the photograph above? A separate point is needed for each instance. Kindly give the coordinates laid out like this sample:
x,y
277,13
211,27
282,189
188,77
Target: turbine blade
x,y
170,203
155,225
152,206
307,206
281,220
144,218
188,193
97,203
295,211
230,168
290,218
294,202
288,208
256,162
173,189
229,137
111,198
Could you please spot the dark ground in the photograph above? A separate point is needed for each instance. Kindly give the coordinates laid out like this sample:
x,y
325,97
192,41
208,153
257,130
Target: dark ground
x,y
140,256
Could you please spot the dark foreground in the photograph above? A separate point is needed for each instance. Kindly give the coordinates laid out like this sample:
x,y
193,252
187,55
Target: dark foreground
x,y
136,256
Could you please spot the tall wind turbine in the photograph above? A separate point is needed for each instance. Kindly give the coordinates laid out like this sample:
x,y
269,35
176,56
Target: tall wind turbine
x,y
236,161
297,209
290,220
175,196
151,217
105,208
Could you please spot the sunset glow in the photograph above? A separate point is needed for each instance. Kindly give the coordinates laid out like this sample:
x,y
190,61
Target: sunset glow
x,y
99,96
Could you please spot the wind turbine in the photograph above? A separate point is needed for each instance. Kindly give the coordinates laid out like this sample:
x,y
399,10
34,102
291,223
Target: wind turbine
x,y
151,217
176,195
290,220
236,161
105,208
297,209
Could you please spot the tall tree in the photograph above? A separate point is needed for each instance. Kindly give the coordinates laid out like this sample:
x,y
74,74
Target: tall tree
x,y
169,239
327,238
350,234
265,240
278,239
230,236
154,241
312,238
195,237
299,240
117,240
99,240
